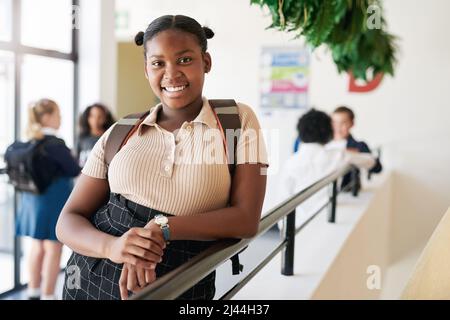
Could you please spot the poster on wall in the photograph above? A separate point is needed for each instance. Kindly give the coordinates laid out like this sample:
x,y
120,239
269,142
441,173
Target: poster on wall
x,y
284,78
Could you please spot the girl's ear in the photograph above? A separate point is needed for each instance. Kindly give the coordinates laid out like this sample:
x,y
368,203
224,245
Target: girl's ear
x,y
207,61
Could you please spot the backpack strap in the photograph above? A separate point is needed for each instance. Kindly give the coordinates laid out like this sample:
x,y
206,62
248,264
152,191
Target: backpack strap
x,y
236,266
227,114
120,134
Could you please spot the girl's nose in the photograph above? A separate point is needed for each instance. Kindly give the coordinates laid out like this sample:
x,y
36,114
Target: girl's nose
x,y
171,72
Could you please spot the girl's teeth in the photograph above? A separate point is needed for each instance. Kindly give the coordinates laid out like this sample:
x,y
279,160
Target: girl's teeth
x,y
175,89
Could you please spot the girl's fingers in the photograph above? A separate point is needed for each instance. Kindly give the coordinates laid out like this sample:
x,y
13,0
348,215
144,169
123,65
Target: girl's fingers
x,y
148,245
132,279
123,283
150,275
135,261
141,277
144,254
152,235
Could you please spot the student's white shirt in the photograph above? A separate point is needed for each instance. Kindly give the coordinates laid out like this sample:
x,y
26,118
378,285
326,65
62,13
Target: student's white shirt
x,y
336,144
310,163
359,159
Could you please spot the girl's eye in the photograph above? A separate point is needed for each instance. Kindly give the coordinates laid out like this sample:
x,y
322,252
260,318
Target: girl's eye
x,y
185,60
157,64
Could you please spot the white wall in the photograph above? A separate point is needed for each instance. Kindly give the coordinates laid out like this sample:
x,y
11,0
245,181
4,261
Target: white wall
x,y
98,53
407,115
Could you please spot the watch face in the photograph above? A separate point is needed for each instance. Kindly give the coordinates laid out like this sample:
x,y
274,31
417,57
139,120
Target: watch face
x,y
161,220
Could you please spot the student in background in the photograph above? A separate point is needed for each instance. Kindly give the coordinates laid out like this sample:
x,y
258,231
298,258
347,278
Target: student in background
x,y
313,161
94,121
38,213
343,121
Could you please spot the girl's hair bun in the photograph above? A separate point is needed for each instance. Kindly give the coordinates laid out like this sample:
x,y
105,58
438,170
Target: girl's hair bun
x,y
139,38
208,32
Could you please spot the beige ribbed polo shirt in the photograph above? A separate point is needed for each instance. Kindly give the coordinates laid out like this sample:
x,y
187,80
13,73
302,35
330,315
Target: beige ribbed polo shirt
x,y
180,173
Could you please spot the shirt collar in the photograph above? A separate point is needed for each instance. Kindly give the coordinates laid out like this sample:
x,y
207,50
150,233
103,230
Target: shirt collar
x,y
310,146
336,144
49,131
350,139
205,116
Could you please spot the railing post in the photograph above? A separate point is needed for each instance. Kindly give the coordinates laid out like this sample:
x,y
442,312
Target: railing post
x,y
287,258
355,182
332,207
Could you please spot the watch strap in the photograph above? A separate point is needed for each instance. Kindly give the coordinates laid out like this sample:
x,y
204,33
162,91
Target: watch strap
x,y
166,232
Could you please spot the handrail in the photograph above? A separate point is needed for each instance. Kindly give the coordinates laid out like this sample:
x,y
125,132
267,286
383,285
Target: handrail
x,y
176,282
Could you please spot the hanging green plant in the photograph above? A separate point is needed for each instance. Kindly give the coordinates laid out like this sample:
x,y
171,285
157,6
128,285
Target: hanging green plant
x,y
344,26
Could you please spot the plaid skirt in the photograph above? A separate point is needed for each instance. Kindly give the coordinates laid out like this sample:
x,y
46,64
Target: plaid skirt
x,y
88,278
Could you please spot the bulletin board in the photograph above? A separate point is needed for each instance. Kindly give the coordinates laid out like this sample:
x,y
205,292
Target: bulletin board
x,y
284,77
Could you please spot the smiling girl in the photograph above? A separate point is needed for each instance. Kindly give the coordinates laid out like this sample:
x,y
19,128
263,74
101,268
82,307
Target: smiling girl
x,y
160,212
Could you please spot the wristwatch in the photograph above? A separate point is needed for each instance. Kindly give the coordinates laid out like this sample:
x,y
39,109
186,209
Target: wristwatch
x,y
163,223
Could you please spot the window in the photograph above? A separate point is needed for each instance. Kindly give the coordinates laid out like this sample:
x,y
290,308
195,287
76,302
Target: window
x,y
44,77
38,59
6,191
5,20
47,24
6,98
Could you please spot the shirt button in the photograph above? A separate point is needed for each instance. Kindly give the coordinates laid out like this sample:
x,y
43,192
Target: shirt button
x,y
189,128
167,168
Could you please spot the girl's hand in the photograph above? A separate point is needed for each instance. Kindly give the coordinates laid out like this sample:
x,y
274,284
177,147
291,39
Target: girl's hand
x,y
134,279
138,246
151,225
354,150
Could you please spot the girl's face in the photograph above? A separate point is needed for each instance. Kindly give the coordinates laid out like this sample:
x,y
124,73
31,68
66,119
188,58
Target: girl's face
x,y
176,67
96,118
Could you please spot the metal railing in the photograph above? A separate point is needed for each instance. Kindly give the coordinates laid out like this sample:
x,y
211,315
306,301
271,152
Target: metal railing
x,y
176,282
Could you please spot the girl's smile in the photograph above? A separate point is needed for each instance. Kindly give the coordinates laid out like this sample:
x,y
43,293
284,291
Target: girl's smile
x,y
175,91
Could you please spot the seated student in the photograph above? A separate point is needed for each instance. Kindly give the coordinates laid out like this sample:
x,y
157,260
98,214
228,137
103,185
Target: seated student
x,y
343,120
313,161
